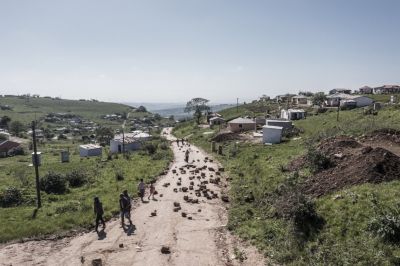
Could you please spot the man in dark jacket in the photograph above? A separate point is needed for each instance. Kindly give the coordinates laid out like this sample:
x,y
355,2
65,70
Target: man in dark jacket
x,y
98,211
125,207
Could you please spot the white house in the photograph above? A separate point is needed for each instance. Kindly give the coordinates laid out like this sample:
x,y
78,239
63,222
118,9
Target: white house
x,y
301,100
89,150
129,141
347,99
293,114
272,134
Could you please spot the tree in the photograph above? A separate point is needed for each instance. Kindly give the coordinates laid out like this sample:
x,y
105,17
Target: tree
x,y
104,134
198,106
142,109
319,98
157,117
16,127
5,121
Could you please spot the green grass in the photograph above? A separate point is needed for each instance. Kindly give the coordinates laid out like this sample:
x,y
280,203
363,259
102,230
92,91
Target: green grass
x,y
61,213
257,169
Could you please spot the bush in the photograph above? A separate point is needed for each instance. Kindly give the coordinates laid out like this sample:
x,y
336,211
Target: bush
x,y
305,219
150,148
76,178
119,176
11,196
386,225
53,183
317,161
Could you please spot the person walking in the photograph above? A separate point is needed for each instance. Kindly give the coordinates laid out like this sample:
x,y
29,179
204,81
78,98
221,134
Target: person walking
x,y
141,189
123,205
98,211
187,156
128,207
152,190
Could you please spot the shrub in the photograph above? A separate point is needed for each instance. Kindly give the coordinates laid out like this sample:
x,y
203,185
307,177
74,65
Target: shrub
x,y
164,146
305,219
317,161
119,176
386,225
11,196
76,178
53,183
150,148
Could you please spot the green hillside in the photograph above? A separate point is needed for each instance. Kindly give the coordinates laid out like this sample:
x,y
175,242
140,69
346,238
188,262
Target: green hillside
x,y
26,110
357,221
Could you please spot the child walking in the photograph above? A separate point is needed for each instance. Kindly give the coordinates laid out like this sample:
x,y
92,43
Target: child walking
x,y
152,190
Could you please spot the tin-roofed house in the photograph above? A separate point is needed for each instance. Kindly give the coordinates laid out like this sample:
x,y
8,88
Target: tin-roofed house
x,y
9,148
89,150
129,141
293,114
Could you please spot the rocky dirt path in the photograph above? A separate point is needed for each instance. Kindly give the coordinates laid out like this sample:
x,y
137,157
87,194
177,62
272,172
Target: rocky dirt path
x,y
200,238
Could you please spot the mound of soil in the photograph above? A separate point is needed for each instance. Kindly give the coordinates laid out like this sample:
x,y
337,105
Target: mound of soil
x,y
387,134
226,136
338,145
366,165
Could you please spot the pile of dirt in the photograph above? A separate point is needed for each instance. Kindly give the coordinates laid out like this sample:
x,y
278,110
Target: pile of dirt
x,y
226,136
387,134
367,165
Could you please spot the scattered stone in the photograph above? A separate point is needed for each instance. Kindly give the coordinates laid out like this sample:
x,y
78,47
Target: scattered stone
x,y
199,210
121,245
176,209
184,214
161,195
184,189
225,198
190,218
165,250
97,262
175,190
154,213
177,204
221,169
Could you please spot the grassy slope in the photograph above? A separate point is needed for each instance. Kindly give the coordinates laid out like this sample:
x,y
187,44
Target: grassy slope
x,y
38,107
255,168
74,209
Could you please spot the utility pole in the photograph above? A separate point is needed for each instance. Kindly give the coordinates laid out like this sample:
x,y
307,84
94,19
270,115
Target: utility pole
x,y
237,105
338,110
123,140
36,165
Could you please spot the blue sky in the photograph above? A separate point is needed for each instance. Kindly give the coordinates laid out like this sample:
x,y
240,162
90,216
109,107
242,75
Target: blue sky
x,y
171,51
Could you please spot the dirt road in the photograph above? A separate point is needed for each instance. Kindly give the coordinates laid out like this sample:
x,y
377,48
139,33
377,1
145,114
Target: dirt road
x,y
198,239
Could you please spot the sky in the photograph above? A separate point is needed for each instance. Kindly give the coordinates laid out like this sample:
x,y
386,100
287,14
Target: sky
x,y
172,51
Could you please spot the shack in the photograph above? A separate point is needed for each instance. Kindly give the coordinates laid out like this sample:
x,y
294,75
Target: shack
x,y
9,148
272,134
89,150
216,121
241,124
129,141
285,124
293,114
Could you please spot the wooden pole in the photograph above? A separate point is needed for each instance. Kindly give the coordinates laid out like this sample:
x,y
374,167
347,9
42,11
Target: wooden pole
x,y
338,110
36,165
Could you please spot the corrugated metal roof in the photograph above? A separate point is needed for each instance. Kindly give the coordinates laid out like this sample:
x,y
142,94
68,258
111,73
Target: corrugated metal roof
x,y
241,120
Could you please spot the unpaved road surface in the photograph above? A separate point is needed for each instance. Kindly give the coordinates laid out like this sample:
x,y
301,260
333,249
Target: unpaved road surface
x,y
201,240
